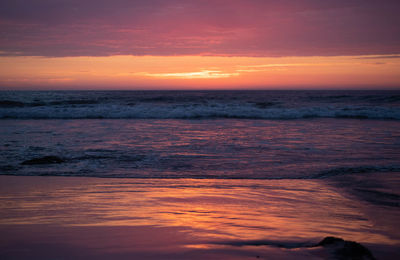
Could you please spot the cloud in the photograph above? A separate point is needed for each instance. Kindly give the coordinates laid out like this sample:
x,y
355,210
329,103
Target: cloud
x,y
204,74
187,27
275,65
379,57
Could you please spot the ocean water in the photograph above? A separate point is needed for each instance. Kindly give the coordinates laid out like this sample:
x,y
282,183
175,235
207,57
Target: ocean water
x,y
201,134
199,104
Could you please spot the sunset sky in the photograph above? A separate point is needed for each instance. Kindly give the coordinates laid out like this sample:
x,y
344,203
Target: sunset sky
x,y
199,44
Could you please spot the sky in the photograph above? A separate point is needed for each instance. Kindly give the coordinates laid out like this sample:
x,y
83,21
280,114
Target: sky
x,y
199,44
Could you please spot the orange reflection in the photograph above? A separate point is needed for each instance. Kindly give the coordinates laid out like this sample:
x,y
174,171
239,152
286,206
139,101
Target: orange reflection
x,y
212,209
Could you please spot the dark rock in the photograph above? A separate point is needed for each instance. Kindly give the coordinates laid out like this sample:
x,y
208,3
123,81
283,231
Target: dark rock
x,y
346,250
329,241
354,250
44,160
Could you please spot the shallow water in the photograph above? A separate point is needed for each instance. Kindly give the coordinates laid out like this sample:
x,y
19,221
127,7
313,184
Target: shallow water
x,y
212,148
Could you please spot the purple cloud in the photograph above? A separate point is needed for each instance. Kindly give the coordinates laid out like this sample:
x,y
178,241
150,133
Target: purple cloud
x,y
219,27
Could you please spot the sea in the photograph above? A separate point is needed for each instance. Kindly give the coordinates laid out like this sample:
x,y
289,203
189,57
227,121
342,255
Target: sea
x,y
239,169
200,134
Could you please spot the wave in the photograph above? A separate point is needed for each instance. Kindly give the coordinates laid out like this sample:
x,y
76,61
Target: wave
x,y
87,109
61,166
354,170
352,98
13,103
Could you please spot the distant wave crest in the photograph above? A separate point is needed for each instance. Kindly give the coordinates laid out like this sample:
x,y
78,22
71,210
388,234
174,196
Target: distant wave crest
x,y
90,110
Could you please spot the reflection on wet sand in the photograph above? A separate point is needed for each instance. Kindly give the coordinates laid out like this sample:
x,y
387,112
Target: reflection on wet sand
x,y
179,213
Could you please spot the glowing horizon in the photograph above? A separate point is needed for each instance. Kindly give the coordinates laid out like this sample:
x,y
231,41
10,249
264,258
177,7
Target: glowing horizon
x,y
197,72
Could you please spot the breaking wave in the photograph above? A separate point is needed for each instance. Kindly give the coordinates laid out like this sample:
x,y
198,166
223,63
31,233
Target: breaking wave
x,y
89,110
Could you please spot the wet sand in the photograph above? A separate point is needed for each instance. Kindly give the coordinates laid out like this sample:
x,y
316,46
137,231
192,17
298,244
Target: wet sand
x,y
94,218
